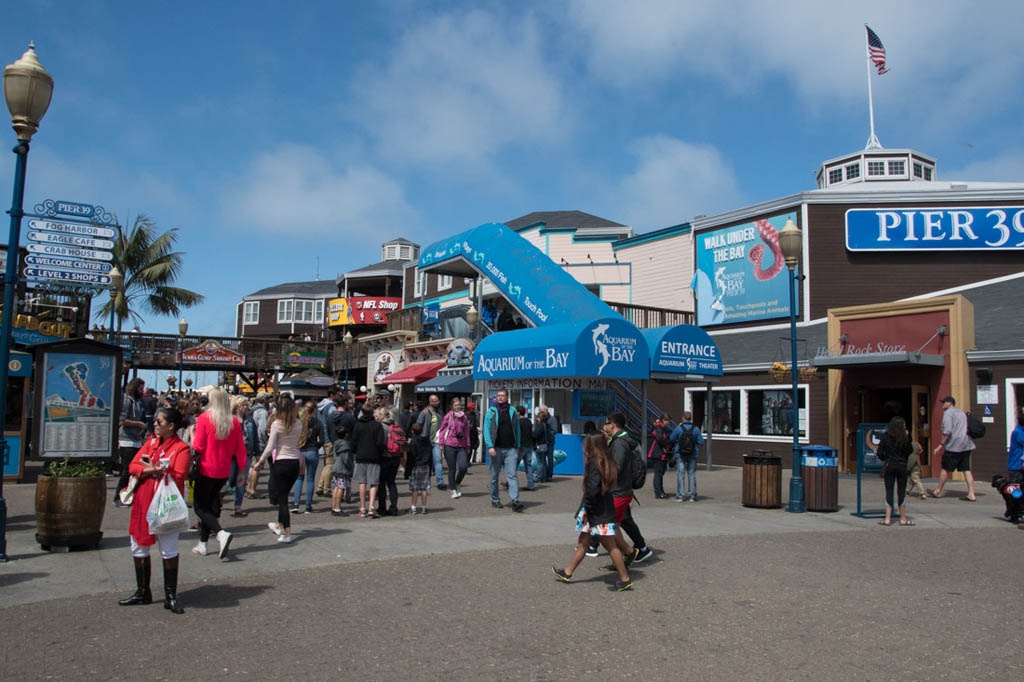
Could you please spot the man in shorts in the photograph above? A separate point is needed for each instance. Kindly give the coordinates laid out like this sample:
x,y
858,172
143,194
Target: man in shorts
x,y
956,447
621,445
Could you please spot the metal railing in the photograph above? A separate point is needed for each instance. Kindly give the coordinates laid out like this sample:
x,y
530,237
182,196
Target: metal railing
x,y
648,317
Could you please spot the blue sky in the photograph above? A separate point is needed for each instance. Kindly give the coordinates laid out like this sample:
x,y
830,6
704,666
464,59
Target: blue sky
x,y
271,135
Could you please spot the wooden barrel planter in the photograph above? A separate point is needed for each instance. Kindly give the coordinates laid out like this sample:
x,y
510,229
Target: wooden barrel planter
x,y
69,511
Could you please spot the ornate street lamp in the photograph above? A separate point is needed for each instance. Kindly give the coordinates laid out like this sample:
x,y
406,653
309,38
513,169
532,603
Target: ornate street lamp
x,y
182,330
347,340
791,241
27,90
116,280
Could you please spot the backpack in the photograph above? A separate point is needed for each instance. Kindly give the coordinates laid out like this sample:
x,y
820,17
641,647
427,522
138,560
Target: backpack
x,y
687,441
396,439
639,463
975,429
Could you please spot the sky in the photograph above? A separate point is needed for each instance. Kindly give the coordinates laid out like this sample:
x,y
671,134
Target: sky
x,y
283,142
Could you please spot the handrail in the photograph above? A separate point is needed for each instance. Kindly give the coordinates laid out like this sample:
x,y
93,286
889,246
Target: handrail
x,y
648,317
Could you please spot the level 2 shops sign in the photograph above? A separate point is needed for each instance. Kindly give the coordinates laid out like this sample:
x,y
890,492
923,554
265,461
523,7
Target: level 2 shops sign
x,y
957,228
211,353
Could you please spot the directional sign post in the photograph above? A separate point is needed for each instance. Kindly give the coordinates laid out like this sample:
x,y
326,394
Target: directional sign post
x,y
70,246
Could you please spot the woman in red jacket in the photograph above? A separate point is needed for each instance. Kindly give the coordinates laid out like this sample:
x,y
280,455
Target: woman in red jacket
x,y
163,454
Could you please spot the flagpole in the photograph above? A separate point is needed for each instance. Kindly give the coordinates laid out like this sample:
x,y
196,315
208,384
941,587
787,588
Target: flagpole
x,y
873,142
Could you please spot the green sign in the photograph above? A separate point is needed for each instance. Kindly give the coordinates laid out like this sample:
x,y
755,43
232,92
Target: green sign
x,y
306,359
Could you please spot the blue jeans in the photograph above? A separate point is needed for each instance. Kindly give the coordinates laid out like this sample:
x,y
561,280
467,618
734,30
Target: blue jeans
x,y
233,479
509,459
686,466
312,457
438,453
526,457
540,474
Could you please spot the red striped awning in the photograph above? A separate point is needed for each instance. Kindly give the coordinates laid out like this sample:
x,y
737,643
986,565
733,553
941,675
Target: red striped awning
x,y
414,373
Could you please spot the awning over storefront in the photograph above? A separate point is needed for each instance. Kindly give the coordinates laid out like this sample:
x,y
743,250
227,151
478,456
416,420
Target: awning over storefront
x,y
608,348
878,359
414,373
682,352
448,383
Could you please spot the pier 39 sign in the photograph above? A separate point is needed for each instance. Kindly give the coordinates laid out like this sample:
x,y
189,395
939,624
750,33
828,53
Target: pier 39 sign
x,y
959,228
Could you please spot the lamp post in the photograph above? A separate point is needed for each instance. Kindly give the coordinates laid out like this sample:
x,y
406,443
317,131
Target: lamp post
x,y
347,340
182,330
27,90
116,280
791,242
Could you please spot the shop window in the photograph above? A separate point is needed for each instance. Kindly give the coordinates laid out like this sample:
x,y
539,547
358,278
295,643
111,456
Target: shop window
x,y
897,167
444,282
835,175
770,412
754,412
417,283
284,311
318,311
918,171
251,312
876,168
852,171
927,173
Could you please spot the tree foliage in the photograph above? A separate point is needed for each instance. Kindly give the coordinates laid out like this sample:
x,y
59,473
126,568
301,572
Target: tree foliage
x,y
150,267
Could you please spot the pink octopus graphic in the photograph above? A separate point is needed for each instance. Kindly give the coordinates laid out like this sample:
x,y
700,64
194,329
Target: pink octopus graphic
x,y
770,236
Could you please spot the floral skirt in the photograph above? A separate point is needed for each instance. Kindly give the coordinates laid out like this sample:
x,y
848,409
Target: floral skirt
x,y
339,482
600,529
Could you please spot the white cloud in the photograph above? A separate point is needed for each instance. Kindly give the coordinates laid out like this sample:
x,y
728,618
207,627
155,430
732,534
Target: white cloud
x,y
1006,167
296,189
459,88
673,181
934,49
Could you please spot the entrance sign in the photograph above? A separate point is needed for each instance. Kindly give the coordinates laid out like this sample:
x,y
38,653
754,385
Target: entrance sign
x,y
984,228
741,275
683,349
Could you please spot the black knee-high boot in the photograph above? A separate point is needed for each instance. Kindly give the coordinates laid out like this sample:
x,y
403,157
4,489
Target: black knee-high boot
x,y
171,586
143,571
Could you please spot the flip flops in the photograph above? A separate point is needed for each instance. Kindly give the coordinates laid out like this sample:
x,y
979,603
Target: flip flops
x,y
885,523
907,522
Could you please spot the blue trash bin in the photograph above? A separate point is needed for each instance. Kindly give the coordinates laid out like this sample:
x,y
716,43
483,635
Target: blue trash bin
x,y
819,466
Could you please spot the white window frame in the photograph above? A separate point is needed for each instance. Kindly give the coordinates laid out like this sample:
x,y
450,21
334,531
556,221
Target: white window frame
x,y
417,283
852,171
285,310
405,252
318,311
303,311
250,312
444,282
744,411
391,252
875,162
836,171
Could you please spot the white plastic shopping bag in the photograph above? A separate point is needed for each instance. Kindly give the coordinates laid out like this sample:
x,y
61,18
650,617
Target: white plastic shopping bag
x,y
168,512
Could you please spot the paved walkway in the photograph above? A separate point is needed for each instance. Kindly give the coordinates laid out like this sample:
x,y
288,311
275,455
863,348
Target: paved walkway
x,y
451,526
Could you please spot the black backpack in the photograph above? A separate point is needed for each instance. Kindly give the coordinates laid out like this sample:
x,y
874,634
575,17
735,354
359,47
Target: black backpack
x,y
639,465
687,441
975,429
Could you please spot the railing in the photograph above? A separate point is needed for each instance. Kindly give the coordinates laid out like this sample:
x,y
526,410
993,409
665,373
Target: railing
x,y
629,401
405,319
647,317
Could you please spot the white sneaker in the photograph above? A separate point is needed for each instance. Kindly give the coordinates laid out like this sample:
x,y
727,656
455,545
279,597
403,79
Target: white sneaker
x,y
284,538
224,538
455,493
276,527
200,549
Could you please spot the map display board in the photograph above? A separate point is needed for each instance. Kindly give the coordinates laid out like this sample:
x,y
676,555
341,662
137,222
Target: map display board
x,y
78,403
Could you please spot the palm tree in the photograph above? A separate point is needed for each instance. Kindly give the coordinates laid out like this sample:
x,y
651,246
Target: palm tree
x,y
149,266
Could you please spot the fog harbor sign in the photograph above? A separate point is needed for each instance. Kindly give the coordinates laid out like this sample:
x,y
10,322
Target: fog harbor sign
x,y
70,247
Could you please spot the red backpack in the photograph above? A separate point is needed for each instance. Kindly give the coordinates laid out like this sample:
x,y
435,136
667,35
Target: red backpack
x,y
396,439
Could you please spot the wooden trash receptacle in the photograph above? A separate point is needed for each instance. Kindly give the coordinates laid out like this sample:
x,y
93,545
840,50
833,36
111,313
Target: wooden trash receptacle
x,y
820,471
762,480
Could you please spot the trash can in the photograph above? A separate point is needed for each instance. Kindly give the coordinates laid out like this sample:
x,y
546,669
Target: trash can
x,y
762,480
819,466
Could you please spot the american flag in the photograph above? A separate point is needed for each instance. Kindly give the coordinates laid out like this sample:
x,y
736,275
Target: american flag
x,y
876,51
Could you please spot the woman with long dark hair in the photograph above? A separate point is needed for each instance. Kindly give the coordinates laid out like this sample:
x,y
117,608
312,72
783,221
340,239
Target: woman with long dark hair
x,y
163,454
218,440
596,516
287,463
893,449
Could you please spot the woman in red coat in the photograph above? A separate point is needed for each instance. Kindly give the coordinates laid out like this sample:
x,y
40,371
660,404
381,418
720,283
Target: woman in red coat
x,y
163,454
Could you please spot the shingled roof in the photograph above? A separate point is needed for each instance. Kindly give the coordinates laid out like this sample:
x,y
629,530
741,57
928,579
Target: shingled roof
x,y
577,219
314,289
